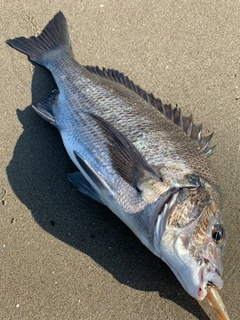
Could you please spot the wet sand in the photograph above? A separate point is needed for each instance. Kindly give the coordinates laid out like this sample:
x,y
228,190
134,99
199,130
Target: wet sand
x,y
64,256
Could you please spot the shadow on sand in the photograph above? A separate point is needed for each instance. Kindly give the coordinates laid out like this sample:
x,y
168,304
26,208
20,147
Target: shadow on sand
x,y
37,173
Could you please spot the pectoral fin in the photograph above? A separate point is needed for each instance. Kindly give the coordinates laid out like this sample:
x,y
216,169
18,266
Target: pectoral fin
x,y
129,162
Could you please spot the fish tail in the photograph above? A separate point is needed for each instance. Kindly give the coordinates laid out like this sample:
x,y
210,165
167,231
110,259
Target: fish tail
x,y
54,40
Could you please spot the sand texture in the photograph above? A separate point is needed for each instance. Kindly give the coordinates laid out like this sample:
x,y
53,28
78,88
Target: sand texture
x,y
63,256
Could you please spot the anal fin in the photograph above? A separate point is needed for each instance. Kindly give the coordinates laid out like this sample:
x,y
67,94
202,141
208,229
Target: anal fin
x,y
45,108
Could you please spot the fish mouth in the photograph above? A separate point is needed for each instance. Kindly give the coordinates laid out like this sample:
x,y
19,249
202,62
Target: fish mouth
x,y
197,279
195,276
209,276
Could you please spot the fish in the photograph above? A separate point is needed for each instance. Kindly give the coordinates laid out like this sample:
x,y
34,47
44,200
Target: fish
x,y
141,158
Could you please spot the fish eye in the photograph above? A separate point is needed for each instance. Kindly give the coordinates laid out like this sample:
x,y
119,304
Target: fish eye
x,y
218,233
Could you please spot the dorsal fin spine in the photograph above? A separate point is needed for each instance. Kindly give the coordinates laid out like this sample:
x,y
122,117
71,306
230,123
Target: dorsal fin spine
x,y
174,114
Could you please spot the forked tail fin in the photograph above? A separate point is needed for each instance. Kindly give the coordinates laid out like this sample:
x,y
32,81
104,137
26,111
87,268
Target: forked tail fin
x,y
53,40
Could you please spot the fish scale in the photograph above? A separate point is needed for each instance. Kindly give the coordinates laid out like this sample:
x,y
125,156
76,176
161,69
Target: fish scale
x,y
143,160
158,146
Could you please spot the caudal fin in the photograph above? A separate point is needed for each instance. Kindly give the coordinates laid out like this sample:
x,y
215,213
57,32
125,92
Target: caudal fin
x,y
53,40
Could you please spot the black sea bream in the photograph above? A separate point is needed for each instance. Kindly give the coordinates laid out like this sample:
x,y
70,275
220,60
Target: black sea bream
x,y
142,159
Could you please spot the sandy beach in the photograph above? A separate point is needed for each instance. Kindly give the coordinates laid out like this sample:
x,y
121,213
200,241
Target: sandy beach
x,y
63,256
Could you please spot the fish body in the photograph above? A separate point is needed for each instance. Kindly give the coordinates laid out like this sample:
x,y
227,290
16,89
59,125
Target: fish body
x,y
143,160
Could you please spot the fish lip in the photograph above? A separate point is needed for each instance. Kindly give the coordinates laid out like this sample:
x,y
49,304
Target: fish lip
x,y
196,277
209,276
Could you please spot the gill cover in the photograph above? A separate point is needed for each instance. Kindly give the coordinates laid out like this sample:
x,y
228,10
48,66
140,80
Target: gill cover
x,y
192,239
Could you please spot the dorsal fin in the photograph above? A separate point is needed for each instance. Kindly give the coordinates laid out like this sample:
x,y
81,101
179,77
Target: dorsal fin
x,y
185,123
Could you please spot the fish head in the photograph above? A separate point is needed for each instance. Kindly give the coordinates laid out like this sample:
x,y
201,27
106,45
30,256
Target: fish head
x,y
189,236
